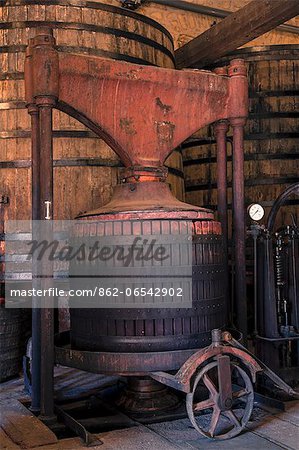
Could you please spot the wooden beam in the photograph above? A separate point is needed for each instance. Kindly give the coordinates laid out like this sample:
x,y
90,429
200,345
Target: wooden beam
x,y
249,22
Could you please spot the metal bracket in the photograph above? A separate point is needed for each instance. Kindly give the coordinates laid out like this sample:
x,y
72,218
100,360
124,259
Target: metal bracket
x,y
89,439
131,4
182,380
268,372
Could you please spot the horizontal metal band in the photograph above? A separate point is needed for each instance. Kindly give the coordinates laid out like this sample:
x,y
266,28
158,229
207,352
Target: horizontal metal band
x,y
135,344
105,54
247,157
177,172
269,136
21,48
71,162
269,49
282,52
272,93
91,5
13,104
198,307
267,204
106,362
78,162
56,134
84,51
194,142
11,76
89,27
251,182
274,115
20,164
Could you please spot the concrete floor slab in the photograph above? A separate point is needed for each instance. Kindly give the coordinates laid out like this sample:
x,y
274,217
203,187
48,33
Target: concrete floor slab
x,y
183,434
266,431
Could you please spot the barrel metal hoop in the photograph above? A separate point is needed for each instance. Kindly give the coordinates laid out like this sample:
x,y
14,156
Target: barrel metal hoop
x,y
92,5
89,27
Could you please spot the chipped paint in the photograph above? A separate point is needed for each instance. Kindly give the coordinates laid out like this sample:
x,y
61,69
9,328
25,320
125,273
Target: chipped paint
x,y
163,106
165,131
127,125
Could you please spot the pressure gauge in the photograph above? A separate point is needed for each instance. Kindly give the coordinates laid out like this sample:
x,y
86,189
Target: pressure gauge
x,y
256,212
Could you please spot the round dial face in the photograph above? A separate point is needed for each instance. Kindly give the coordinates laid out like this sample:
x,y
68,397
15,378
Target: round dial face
x,y
256,211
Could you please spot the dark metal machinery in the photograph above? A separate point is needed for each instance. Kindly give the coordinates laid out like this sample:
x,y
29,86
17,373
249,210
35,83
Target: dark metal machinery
x,y
276,262
176,104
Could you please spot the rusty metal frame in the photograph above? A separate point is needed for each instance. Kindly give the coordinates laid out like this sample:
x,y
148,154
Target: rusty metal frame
x,y
143,113
224,345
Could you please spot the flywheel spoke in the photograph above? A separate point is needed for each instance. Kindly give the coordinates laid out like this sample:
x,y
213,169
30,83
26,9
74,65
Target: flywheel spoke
x,y
233,418
241,393
205,404
210,385
214,420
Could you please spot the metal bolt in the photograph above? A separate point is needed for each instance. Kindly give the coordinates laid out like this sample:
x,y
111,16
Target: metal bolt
x,y
4,199
228,403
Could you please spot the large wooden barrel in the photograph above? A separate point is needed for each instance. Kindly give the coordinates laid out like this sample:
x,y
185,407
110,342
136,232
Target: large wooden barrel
x,y
271,136
14,331
14,323
86,169
154,328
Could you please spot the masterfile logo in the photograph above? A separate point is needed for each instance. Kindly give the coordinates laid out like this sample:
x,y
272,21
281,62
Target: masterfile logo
x,y
50,260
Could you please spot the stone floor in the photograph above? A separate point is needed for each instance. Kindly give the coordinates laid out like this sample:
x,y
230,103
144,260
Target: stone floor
x,y
268,429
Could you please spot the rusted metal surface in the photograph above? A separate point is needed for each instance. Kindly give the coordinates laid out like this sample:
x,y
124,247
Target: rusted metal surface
x,y
143,395
134,363
143,113
182,379
227,337
222,344
239,226
41,98
224,382
221,399
221,129
152,107
89,439
33,111
45,105
133,200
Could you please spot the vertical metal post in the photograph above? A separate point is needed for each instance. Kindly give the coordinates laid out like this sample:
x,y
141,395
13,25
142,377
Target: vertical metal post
x,y
47,311
4,200
35,161
35,215
220,129
41,77
239,223
255,236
